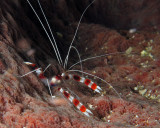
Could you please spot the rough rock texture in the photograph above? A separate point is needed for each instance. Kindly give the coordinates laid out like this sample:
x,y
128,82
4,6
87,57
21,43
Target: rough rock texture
x,y
134,73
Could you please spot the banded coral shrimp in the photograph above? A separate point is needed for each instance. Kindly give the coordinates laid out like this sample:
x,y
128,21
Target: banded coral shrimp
x,y
48,113
39,72
60,64
88,82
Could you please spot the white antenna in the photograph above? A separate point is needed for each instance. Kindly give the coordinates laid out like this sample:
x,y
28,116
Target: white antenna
x,y
45,31
94,57
80,60
66,59
50,32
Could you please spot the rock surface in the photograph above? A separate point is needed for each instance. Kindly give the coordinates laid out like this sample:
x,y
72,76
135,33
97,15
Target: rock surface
x,y
132,66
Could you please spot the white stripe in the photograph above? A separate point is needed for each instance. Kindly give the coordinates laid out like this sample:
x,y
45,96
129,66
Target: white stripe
x,y
63,74
79,105
82,79
61,90
53,80
70,76
87,110
97,91
86,114
29,63
99,88
90,84
71,98
38,71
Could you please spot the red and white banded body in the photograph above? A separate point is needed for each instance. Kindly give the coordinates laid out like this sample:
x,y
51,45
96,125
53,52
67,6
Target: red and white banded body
x,y
55,80
58,78
83,80
76,102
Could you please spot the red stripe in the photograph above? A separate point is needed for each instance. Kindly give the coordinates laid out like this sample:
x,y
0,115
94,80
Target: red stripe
x,y
76,77
58,77
67,95
66,77
94,86
83,108
87,81
33,65
41,76
75,102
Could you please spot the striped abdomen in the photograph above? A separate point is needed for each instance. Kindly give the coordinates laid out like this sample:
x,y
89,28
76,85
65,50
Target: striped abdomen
x,y
76,102
83,80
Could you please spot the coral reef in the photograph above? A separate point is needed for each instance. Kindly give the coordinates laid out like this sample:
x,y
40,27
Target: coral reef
x,y
133,69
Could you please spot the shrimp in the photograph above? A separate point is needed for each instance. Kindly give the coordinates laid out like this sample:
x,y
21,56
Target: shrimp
x,y
66,74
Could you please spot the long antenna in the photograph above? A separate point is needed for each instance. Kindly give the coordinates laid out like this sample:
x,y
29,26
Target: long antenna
x,y
66,59
94,57
50,32
45,31
80,60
